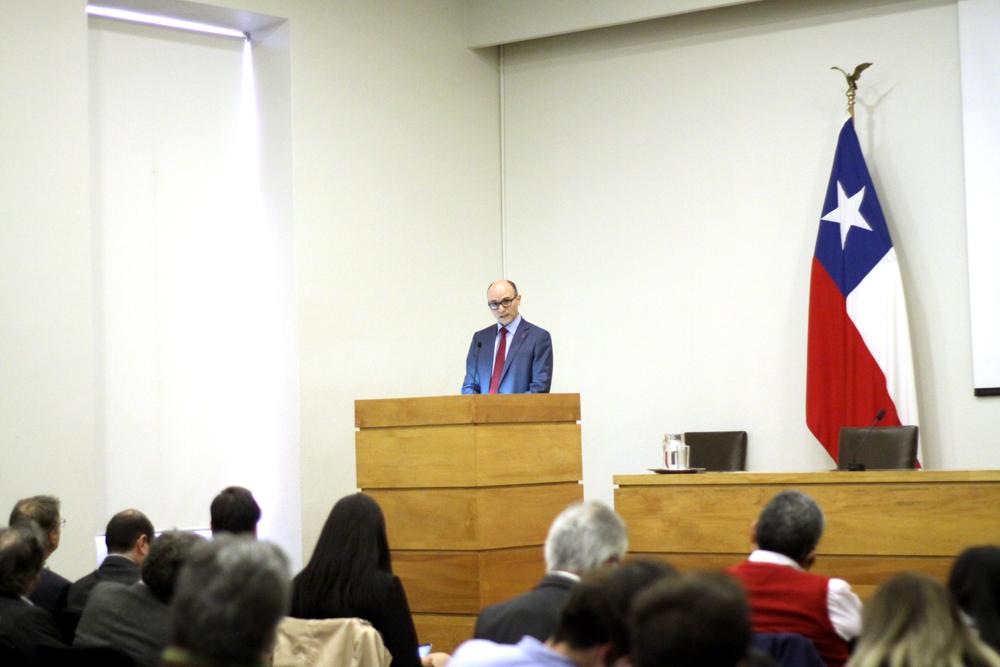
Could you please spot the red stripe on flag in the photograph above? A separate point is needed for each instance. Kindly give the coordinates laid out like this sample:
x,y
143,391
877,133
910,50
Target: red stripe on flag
x,y
844,384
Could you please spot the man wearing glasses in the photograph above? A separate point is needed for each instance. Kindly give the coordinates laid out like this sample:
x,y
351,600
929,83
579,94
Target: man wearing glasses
x,y
511,357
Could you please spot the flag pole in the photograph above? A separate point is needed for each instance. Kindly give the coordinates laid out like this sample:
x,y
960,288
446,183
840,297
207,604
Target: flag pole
x,y
852,84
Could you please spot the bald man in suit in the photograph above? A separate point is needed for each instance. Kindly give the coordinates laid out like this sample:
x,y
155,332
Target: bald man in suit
x,y
511,357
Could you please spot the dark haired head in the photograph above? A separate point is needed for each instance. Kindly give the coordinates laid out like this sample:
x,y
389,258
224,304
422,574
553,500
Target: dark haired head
x,y
44,511
698,619
162,566
351,551
975,583
234,510
125,528
21,558
624,584
790,524
597,608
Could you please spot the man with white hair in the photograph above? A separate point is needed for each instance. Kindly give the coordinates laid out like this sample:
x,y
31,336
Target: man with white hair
x,y
585,536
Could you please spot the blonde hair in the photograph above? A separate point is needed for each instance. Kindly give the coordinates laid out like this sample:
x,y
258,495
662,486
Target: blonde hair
x,y
913,621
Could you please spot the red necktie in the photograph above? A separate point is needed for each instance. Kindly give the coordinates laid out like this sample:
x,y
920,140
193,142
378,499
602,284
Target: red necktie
x,y
498,362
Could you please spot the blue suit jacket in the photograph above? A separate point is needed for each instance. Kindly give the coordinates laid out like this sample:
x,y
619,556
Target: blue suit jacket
x,y
527,368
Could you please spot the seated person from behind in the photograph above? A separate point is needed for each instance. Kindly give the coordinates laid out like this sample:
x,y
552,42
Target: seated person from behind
x,y
591,630
235,511
913,621
23,626
52,588
350,575
231,594
783,596
127,537
698,619
585,536
975,582
136,618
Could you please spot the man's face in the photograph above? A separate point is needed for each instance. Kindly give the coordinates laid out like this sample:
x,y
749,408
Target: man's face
x,y
503,302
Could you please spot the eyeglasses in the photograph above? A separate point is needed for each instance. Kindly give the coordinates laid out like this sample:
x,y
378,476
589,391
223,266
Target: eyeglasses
x,y
495,305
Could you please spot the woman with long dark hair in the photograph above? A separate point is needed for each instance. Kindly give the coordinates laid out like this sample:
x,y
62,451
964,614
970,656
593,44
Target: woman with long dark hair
x,y
350,575
975,582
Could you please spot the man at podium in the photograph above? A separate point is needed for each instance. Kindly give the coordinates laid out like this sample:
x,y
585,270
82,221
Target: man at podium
x,y
511,357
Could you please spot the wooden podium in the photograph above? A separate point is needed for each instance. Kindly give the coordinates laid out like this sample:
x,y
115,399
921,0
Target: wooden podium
x,y
878,523
469,486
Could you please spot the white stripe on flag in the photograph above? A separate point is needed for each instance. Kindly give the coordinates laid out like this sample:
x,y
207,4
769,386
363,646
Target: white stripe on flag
x,y
878,309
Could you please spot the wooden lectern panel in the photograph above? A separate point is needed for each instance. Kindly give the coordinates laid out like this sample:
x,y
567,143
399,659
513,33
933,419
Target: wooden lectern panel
x,y
439,581
472,519
444,631
469,486
468,455
469,409
466,581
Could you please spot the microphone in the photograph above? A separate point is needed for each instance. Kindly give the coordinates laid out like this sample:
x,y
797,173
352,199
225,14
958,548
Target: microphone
x,y
854,466
479,346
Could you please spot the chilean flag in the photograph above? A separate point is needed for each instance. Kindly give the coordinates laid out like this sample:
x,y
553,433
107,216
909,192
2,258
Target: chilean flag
x,y
859,341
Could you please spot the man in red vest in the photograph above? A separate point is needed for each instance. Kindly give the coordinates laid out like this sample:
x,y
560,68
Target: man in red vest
x,y
784,596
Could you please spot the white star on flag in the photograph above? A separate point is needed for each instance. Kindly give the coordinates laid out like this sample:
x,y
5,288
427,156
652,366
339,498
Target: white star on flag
x,y
848,213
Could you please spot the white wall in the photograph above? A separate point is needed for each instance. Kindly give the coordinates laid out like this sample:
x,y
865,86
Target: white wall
x,y
394,165
196,319
663,187
396,191
493,22
979,24
47,393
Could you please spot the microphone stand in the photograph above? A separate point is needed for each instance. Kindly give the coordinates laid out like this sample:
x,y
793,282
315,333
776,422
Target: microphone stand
x,y
854,466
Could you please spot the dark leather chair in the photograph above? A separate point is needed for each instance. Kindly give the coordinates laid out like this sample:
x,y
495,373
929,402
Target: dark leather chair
x,y
717,450
887,448
788,649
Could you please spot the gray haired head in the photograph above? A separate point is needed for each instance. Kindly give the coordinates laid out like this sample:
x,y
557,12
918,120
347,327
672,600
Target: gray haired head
x,y
22,555
230,596
790,524
585,536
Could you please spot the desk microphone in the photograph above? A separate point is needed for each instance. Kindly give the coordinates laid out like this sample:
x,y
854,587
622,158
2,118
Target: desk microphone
x,y
854,466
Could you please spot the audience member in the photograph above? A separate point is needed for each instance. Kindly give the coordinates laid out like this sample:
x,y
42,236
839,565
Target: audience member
x,y
229,598
127,538
912,621
783,596
136,618
235,511
697,619
23,626
51,591
591,630
975,582
350,575
583,537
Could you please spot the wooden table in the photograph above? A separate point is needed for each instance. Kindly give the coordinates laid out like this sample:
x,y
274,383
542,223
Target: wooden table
x,y
878,523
